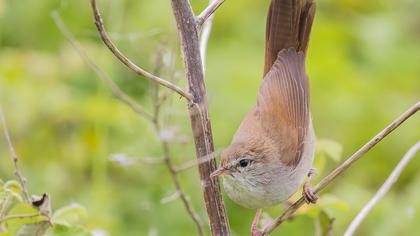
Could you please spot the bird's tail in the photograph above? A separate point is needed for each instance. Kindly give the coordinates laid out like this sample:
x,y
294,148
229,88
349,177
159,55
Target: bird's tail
x,y
289,24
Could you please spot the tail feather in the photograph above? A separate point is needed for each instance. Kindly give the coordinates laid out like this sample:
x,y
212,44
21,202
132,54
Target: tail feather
x,y
289,24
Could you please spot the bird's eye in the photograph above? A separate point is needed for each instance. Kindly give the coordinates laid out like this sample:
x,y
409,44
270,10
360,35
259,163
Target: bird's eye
x,y
244,162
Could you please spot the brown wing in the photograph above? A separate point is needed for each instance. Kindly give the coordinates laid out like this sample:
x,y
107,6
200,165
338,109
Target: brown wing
x,y
289,24
283,105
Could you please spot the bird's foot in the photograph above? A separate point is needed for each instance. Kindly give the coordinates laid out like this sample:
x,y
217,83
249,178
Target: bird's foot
x,y
309,195
254,228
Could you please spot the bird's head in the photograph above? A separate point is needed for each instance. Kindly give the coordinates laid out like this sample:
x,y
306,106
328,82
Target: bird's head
x,y
238,160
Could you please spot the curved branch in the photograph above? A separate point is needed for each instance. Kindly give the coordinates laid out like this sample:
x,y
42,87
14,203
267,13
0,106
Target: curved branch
x,y
18,173
108,42
334,174
206,27
393,177
214,4
115,90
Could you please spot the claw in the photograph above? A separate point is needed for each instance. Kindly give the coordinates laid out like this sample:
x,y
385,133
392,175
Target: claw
x,y
308,193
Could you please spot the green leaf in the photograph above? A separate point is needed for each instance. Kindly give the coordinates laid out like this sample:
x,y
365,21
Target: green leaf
x,y
325,224
23,210
329,148
63,230
70,215
13,185
34,229
5,234
14,188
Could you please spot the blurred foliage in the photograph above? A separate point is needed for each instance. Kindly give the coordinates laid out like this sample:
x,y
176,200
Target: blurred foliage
x,y
20,218
364,69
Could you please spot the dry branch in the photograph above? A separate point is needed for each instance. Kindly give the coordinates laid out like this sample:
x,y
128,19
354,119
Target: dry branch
x,y
108,42
393,177
199,116
214,4
154,119
206,27
116,91
339,170
15,158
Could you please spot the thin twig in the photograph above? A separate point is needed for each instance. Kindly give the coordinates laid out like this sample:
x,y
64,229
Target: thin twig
x,y
184,198
123,160
116,91
153,118
329,178
108,42
393,177
206,30
19,216
170,198
172,170
214,4
193,163
15,158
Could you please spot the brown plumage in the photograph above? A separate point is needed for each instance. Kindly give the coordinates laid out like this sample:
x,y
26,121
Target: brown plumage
x,y
272,151
289,24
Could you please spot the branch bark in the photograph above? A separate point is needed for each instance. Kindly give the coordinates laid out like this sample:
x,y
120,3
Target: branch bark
x,y
393,177
199,116
339,170
140,71
15,158
153,118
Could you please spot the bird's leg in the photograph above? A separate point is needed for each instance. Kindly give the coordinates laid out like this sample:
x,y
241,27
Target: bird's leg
x,y
308,194
254,228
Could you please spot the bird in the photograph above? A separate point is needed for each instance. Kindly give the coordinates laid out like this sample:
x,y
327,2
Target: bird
x,y
272,151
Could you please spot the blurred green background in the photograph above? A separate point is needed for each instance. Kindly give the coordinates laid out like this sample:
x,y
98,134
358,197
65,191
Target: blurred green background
x,y
364,69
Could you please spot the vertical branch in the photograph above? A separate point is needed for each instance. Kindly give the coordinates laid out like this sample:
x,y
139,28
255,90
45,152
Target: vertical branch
x,y
15,158
199,116
153,118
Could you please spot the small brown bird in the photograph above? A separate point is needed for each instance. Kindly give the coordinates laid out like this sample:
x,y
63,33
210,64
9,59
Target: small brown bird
x,y
272,151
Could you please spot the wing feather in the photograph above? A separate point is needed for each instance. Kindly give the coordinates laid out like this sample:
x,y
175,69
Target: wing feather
x,y
283,105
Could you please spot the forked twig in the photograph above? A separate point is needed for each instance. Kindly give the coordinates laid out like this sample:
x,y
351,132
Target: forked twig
x,y
116,91
15,159
211,8
153,118
108,42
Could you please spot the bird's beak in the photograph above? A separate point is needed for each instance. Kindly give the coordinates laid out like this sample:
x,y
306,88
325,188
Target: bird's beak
x,y
218,172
